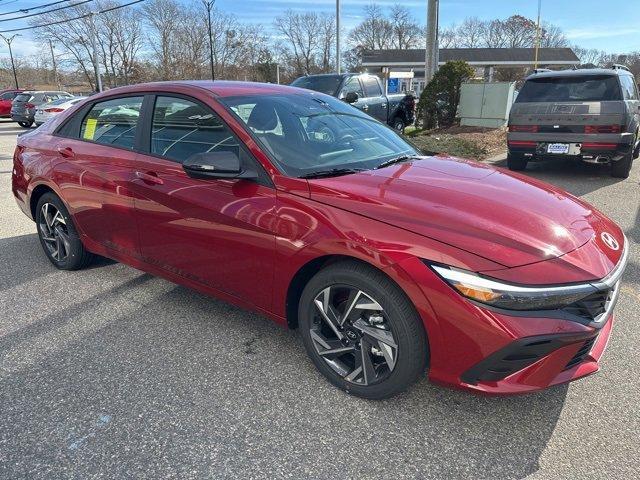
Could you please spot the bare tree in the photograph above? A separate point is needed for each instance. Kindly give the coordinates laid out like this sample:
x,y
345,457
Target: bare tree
x,y
406,32
163,21
470,33
375,32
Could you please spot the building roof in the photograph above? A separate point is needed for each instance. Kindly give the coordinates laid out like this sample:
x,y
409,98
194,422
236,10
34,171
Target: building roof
x,y
473,56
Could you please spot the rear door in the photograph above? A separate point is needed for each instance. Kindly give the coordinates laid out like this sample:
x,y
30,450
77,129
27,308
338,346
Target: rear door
x,y
375,100
95,167
217,232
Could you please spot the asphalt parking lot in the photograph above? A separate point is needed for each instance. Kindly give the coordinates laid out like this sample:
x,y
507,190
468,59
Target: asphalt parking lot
x,y
112,373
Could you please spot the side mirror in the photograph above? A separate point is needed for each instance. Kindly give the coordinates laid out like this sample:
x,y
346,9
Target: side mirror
x,y
210,165
351,97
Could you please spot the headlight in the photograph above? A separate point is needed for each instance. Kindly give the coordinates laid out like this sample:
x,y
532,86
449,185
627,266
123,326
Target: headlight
x,y
511,297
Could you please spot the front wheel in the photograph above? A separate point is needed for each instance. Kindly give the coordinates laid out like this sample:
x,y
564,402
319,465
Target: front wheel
x,y
58,236
361,331
25,124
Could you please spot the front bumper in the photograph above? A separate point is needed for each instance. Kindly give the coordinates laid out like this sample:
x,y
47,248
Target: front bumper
x,y
482,349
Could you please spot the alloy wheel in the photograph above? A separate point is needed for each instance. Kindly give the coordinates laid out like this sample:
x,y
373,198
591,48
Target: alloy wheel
x,y
54,232
351,333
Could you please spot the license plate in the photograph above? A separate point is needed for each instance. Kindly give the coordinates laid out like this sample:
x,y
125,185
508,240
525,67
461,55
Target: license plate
x,y
558,148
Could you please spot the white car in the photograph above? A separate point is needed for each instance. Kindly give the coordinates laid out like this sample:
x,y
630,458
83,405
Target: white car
x,y
46,111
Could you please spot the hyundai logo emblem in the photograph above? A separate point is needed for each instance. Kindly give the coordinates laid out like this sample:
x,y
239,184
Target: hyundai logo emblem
x,y
609,241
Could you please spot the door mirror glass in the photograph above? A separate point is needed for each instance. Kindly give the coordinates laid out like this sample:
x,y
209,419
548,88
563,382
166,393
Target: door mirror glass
x,y
351,97
222,164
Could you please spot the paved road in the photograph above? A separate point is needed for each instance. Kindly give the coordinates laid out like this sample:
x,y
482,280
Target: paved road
x,y
111,373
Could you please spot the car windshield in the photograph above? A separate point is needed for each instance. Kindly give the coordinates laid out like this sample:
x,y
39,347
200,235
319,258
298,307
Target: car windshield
x,y
311,134
592,88
22,97
327,84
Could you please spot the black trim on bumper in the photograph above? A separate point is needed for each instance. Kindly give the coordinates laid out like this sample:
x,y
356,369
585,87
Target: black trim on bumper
x,y
517,355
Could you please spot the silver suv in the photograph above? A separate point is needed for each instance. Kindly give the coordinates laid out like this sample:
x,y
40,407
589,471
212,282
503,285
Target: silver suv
x,y
592,115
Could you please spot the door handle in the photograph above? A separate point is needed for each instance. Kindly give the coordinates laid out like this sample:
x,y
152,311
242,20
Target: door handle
x,y
365,107
66,152
150,177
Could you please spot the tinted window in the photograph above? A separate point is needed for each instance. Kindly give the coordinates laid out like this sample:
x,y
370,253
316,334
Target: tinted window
x,y
352,84
305,134
23,97
325,83
371,87
182,128
628,87
592,88
8,96
113,122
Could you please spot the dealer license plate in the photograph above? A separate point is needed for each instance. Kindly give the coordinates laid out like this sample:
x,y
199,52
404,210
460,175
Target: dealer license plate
x,y
558,148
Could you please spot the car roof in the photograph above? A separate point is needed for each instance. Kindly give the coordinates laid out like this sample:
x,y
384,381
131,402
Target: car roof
x,y
581,72
220,88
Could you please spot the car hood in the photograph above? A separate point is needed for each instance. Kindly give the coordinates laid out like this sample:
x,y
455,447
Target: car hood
x,y
507,218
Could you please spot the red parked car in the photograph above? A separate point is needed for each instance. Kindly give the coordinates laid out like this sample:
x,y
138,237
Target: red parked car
x,y
6,97
299,206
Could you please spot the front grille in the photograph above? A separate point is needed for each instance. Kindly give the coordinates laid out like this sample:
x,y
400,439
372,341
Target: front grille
x,y
594,306
582,353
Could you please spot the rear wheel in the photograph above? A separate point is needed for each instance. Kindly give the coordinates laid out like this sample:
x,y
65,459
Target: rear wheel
x,y
516,161
398,124
25,124
622,167
58,236
361,331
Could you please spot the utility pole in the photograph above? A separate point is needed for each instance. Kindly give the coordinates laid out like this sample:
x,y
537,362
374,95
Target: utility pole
x,y
55,68
338,59
278,73
13,65
431,52
209,6
94,42
538,33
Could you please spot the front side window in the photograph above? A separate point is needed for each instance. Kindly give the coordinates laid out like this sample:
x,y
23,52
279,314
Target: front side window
x,y
352,84
585,88
371,87
113,122
182,128
317,133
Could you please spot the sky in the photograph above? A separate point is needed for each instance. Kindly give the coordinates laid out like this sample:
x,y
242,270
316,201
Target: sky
x,y
610,25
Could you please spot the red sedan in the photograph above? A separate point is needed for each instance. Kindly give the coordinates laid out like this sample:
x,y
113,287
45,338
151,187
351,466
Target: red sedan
x,y
299,206
6,97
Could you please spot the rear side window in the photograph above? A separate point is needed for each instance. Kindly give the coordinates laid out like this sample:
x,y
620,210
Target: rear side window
x,y
182,128
629,87
371,87
592,88
113,122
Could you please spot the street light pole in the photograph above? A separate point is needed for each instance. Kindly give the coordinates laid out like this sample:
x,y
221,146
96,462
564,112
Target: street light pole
x,y
13,65
431,51
538,33
94,42
209,6
338,59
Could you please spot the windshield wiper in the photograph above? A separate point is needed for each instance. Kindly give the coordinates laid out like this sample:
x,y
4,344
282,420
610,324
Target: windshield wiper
x,y
334,172
393,161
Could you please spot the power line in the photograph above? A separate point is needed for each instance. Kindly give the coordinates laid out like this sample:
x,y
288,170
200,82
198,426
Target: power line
x,y
71,19
46,11
25,10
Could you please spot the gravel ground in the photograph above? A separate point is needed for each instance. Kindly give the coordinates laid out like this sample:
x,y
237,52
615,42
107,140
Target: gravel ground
x,y
112,373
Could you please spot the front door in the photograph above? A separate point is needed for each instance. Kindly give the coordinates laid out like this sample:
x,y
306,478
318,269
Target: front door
x,y
219,233
95,169
5,103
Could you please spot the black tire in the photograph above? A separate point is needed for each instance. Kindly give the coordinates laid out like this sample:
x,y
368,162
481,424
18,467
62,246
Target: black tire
x,y
622,167
400,317
516,162
398,124
76,255
25,124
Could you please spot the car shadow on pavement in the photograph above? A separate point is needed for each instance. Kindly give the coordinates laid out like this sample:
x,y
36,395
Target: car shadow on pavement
x,y
575,176
146,378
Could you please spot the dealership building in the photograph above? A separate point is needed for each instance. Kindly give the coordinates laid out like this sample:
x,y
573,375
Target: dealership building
x,y
410,63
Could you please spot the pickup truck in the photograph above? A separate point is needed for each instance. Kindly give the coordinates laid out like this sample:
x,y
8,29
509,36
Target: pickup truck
x,y
364,92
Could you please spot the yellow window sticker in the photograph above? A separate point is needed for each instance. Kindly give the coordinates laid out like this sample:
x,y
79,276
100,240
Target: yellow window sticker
x,y
90,129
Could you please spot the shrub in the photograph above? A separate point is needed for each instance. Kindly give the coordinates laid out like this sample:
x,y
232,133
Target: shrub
x,y
439,100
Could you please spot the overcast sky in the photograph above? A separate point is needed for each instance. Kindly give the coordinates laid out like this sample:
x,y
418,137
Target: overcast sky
x,y
610,25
